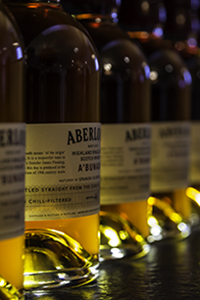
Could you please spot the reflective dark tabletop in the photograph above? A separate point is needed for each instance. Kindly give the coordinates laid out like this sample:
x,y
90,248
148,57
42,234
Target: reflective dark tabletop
x,y
171,270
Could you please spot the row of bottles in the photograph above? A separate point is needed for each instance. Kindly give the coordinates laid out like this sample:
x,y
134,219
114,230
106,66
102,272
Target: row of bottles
x,y
103,96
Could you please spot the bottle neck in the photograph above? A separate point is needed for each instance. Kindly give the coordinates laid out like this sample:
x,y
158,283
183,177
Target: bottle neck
x,y
96,18
54,2
92,9
145,36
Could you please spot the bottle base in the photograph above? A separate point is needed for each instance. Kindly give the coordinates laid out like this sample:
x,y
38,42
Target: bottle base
x,y
53,259
119,239
194,195
164,222
8,291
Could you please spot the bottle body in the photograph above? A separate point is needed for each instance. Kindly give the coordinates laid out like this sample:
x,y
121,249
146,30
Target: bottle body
x,y
184,36
125,168
170,114
62,112
125,140
125,122
12,150
170,137
58,203
192,191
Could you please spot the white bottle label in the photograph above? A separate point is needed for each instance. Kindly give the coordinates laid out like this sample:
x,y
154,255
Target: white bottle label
x,y
125,163
170,156
12,162
62,170
195,153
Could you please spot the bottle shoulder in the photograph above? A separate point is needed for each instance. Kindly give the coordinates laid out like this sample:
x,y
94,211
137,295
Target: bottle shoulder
x,y
123,55
103,31
116,49
11,69
169,65
11,43
54,38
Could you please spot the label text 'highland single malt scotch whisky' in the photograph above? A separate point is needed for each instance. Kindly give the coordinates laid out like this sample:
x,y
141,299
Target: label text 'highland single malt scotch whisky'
x,y
125,163
62,170
170,156
12,161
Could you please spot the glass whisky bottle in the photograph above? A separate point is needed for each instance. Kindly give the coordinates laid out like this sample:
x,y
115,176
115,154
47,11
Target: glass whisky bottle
x,y
125,141
12,157
168,207
62,147
182,28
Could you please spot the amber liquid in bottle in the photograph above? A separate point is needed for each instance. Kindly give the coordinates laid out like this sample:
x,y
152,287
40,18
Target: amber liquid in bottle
x,y
11,192
62,77
169,208
125,102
